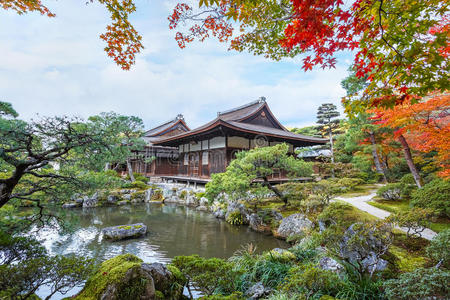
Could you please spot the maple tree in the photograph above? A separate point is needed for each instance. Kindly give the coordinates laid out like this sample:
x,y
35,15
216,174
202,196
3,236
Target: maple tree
x,y
401,46
122,39
424,126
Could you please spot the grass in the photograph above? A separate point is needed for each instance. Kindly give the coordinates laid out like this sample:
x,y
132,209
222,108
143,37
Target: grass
x,y
360,190
388,205
440,225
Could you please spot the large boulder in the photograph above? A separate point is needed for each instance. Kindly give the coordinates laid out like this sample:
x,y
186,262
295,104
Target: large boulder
x,y
91,201
138,197
121,277
263,220
112,199
204,201
365,253
330,264
234,208
70,205
202,208
219,213
121,232
160,274
257,291
293,225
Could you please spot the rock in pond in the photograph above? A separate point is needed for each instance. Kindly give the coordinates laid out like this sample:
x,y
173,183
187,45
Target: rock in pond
x,y
121,232
295,224
70,205
201,208
122,202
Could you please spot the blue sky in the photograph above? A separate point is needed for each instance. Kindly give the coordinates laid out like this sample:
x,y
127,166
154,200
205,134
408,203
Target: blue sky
x,y
56,66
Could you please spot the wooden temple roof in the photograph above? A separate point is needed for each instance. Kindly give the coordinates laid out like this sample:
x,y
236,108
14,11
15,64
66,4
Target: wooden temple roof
x,y
243,121
165,127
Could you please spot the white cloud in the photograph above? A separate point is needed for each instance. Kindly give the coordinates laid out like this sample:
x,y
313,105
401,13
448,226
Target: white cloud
x,y
57,66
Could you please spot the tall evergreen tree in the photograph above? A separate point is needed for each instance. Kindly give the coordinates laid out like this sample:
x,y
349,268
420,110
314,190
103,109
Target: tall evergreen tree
x,y
327,117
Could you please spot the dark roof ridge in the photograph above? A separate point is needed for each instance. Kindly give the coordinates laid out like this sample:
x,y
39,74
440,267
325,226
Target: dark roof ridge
x,y
179,117
260,100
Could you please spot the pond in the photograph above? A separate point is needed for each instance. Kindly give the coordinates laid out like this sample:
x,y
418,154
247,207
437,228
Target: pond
x,y
172,230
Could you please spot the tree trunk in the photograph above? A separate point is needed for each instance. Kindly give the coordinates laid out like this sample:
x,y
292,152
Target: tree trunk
x,y
376,158
409,161
7,186
332,152
107,166
5,194
130,170
275,190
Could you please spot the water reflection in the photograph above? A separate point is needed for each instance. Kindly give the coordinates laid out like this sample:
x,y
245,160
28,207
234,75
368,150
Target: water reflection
x,y
173,230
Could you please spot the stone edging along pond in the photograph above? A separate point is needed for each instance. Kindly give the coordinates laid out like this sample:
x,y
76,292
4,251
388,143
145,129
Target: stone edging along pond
x,y
234,212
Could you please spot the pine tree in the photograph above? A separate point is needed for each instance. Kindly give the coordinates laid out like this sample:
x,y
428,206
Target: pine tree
x,y
327,117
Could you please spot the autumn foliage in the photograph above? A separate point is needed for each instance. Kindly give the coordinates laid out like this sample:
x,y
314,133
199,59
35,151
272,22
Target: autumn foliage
x,y
400,46
425,125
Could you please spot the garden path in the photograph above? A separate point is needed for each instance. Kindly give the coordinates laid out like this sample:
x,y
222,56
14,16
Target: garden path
x,y
360,202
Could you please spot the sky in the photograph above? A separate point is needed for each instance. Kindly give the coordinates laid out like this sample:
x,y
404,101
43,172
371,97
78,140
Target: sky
x,y
57,66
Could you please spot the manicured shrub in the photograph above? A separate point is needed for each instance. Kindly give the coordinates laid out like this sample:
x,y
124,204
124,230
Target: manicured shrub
x,y
337,213
212,275
422,283
311,279
439,248
349,184
391,191
434,195
200,195
141,178
136,185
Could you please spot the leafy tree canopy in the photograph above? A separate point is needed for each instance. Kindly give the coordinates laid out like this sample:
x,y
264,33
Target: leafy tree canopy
x,y
52,158
400,46
253,168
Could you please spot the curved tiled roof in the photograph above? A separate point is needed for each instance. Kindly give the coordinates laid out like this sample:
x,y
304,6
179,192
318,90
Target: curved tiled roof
x,y
233,119
165,126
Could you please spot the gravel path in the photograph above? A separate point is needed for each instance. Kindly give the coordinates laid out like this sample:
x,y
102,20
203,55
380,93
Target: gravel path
x,y
360,202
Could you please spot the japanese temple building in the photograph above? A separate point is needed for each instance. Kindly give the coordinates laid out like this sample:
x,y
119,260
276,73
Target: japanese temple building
x,y
180,153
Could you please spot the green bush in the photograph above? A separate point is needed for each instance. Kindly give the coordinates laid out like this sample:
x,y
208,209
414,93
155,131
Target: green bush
x,y
213,275
135,185
235,218
349,184
311,279
422,283
434,195
25,266
391,191
439,248
200,195
141,178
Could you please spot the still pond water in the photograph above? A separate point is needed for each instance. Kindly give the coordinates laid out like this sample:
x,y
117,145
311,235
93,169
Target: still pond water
x,y
172,230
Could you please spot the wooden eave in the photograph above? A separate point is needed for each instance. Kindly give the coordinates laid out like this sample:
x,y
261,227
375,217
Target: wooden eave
x,y
164,130
219,122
